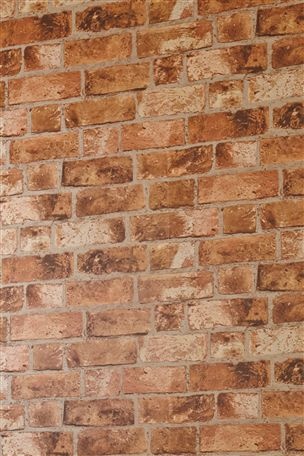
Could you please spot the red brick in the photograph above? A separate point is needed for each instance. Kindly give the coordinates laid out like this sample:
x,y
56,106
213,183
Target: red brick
x,y
294,437
226,94
34,268
290,115
269,21
238,405
11,299
12,417
171,10
237,279
169,317
99,111
171,194
283,149
280,214
154,380
41,88
102,49
178,38
105,382
55,384
14,358
288,52
42,57
246,437
241,154
44,148
44,295
168,69
102,412
235,27
290,371
172,255
35,239
46,118
173,441
29,29
11,182
13,122
10,62
173,348
37,443
225,125
118,322
239,219
288,308
149,135
42,176
282,404
48,357
45,414
101,141
112,291
278,340
227,345
216,376
102,352
293,182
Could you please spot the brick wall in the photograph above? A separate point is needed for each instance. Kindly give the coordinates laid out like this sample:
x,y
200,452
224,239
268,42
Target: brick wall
x,y
151,212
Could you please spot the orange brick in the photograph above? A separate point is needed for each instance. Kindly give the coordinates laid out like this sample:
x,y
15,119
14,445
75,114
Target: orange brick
x,y
107,441
35,239
288,52
288,308
171,194
104,382
294,437
168,69
238,405
280,214
11,299
292,244
160,11
2,94
45,414
293,182
10,62
44,295
101,141
101,412
118,322
42,88
12,417
269,23
113,291
241,154
281,277
55,384
13,123
282,404
48,357
46,118
14,358
3,329
173,441
154,380
11,182
239,219
42,57
218,6
173,348
40,443
238,279
42,176
290,115
227,346
235,27
225,94
172,255
289,371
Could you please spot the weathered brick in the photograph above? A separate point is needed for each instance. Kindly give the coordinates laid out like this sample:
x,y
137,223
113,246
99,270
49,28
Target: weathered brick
x,y
290,371
149,135
8,241
48,357
235,27
154,380
30,29
269,21
282,404
45,414
225,125
11,299
35,6
97,50
174,287
128,13
239,219
104,382
11,182
100,111
280,214
293,182
11,417
237,279
288,308
112,441
173,348
118,322
10,62
2,94
281,150
42,176
169,317
4,329
109,200
4,387
178,38
272,341
44,295
42,88
44,148
218,6
294,437
112,291
34,268
42,57
221,62
37,443
14,358
288,52
108,80
46,118
35,239
171,10
227,346
224,376
173,441
238,405
241,154
101,141
13,122
101,412
171,194
290,115
55,384
225,94
172,256
167,70
292,244
7,8
176,410
236,249
281,277
246,437
102,352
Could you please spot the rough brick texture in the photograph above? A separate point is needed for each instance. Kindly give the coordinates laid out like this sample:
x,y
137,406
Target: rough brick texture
x,y
152,227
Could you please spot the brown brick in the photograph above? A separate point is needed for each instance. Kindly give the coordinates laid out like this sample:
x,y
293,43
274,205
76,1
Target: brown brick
x,y
288,308
11,299
178,38
282,404
280,21
101,141
172,255
34,268
171,194
293,182
106,200
11,182
128,13
48,357
273,341
224,376
97,171
42,57
227,346
50,326
218,6
176,410
108,80
30,29
8,241
3,329
102,49
37,443
41,88
281,277
35,239
294,437
45,414
168,69
290,115
14,358
238,405
221,62
44,148
112,441
55,384
167,225
118,322
44,295
175,163
145,380
239,219
171,10
292,244
241,248
280,214
2,94
42,176
173,441
288,52
148,135
290,371
169,317
235,27
281,150
163,288
173,348
12,417
100,111
225,125
46,118
13,122
112,291
237,279
10,62
102,412
246,437
104,382
225,94
102,352
241,154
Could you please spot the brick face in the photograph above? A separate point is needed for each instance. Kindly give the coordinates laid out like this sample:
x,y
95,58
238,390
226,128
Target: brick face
x,y
151,201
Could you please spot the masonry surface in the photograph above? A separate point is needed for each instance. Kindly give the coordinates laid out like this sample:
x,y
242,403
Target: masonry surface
x,y
151,212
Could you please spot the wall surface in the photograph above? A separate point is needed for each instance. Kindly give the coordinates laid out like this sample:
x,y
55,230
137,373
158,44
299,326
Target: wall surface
x,y
151,218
